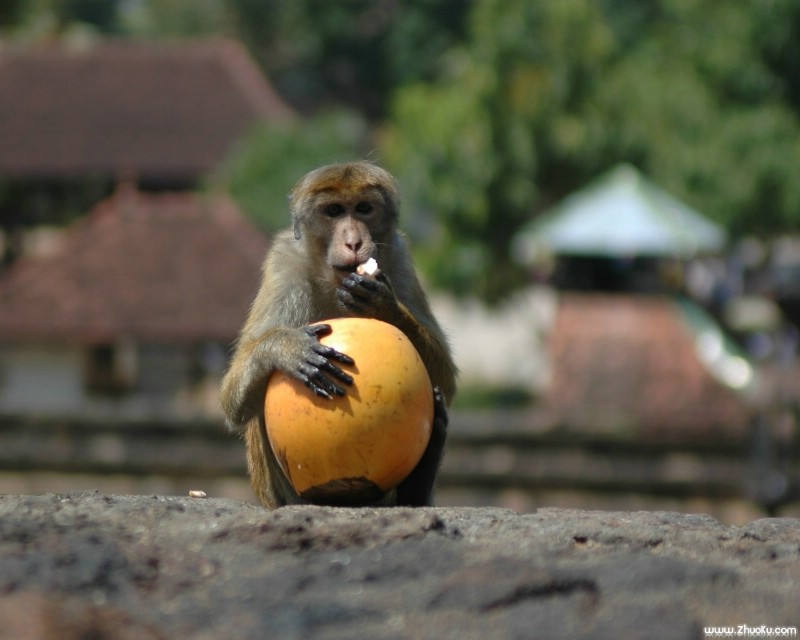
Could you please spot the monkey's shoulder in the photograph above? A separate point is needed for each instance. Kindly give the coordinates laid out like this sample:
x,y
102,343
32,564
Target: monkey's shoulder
x,y
286,253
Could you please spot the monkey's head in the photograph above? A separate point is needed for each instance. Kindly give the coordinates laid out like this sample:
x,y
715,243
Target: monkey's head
x,y
347,213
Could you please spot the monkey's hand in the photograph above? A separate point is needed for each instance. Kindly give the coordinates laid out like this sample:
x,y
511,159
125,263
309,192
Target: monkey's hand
x,y
417,489
315,360
296,351
369,296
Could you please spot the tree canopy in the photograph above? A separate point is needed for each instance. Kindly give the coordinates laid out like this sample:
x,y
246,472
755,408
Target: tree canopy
x,y
544,96
260,173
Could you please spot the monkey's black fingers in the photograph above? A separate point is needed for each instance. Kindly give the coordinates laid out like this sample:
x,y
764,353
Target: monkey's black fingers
x,y
361,295
329,353
354,282
379,283
356,305
314,379
350,301
326,365
375,292
318,330
317,389
352,292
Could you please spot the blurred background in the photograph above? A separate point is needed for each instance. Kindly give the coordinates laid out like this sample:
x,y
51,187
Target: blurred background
x,y
602,196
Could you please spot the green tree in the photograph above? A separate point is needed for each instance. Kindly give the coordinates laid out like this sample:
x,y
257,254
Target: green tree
x,y
43,19
703,110
177,18
544,96
261,171
495,138
351,53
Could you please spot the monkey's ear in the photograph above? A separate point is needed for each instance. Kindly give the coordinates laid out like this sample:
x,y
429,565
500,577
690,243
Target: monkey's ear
x,y
295,217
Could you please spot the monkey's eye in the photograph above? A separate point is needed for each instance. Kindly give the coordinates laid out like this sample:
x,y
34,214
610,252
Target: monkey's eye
x,y
333,210
364,207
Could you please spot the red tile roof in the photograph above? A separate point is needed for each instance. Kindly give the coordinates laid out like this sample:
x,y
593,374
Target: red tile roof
x,y
169,267
629,363
140,109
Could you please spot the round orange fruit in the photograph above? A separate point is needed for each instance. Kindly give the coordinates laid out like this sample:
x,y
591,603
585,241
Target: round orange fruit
x,y
355,448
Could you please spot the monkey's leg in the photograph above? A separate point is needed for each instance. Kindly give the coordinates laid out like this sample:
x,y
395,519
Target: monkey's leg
x,y
269,483
417,489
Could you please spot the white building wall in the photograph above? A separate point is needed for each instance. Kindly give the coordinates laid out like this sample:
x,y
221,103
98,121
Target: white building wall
x,y
41,379
49,380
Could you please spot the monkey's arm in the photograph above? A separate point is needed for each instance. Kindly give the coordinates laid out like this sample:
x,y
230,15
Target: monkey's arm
x,y
298,352
275,338
375,297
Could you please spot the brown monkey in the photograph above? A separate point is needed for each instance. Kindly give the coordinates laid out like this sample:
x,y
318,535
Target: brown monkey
x,y
342,215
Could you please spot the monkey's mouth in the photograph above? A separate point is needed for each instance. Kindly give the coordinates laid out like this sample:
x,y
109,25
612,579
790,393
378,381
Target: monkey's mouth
x,y
340,273
346,269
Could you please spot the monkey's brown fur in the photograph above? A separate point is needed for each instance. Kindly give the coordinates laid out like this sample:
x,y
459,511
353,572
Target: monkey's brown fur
x,y
342,215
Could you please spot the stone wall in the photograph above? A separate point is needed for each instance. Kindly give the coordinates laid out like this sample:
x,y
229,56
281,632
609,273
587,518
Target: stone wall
x,y
88,565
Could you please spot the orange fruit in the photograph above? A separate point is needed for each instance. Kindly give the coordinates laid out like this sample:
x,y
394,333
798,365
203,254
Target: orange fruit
x,y
355,448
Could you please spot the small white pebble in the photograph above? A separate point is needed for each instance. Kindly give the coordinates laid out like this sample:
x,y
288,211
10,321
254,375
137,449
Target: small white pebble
x,y
196,493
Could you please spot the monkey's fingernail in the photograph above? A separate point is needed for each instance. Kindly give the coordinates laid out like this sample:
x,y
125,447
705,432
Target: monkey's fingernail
x,y
320,391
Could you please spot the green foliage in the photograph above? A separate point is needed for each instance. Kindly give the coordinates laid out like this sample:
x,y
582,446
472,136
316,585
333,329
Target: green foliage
x,y
469,148
350,52
184,18
261,171
42,19
546,95
698,107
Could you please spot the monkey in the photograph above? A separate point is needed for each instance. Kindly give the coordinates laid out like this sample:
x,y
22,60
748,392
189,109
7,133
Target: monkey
x,y
341,215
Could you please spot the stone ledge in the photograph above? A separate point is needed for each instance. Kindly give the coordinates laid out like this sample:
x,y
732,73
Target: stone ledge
x,y
92,565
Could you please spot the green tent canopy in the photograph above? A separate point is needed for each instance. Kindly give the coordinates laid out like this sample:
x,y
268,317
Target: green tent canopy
x,y
618,215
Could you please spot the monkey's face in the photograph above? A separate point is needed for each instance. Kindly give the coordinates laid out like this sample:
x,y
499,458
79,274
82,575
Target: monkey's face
x,y
345,214
356,227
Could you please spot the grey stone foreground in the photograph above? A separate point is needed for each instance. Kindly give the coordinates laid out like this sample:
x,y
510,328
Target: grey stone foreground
x,y
88,565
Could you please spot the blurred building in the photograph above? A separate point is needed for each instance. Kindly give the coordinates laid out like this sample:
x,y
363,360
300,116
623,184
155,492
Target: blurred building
x,y
132,312
633,356
620,232
646,399
647,367
74,121
627,355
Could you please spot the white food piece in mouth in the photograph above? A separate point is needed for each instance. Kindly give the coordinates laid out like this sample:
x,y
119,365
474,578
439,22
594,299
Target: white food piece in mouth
x,y
369,268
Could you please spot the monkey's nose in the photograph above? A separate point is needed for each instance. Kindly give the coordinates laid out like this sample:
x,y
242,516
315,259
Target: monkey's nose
x,y
354,245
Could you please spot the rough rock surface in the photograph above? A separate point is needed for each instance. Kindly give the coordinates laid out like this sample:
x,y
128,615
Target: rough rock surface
x,y
95,566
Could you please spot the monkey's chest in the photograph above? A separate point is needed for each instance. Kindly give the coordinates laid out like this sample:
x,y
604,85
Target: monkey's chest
x,y
326,307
